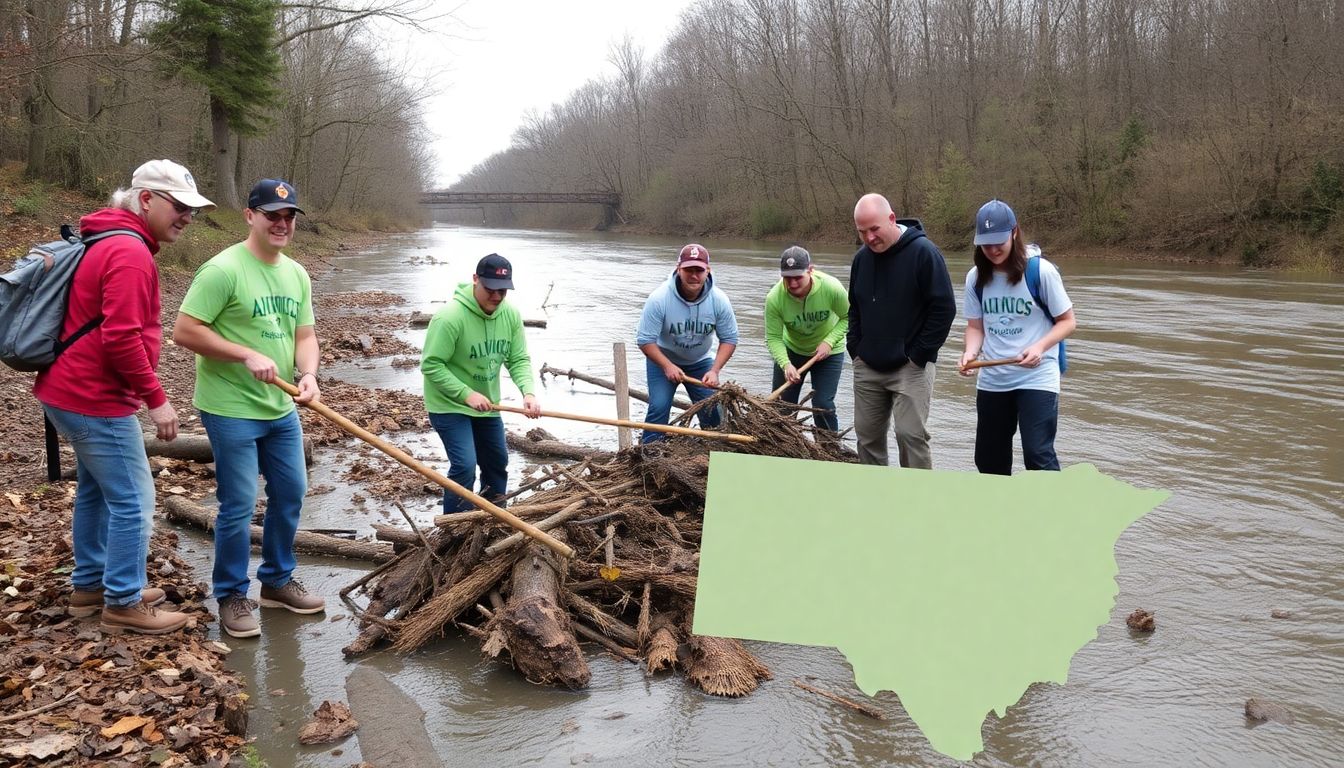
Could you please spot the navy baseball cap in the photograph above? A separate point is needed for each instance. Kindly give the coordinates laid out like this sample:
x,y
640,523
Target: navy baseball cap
x,y
994,223
273,195
495,272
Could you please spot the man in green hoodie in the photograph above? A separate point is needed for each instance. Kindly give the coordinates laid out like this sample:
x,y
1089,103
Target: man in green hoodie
x,y
468,342
806,318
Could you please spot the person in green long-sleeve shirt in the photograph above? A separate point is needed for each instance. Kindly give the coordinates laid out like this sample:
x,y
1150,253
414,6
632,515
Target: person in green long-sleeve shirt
x,y
806,318
469,341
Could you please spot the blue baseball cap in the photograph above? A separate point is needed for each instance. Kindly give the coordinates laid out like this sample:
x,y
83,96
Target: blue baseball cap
x,y
994,223
273,195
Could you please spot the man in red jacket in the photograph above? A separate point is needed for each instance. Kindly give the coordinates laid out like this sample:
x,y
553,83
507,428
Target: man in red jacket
x,y
94,389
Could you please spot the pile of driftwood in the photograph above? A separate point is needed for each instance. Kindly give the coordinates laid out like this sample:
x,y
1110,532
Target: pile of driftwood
x,y
634,521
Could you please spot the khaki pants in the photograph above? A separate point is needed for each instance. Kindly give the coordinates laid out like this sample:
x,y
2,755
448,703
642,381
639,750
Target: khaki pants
x,y
900,397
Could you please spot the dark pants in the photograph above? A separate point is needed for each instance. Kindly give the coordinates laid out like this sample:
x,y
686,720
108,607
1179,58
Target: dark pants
x,y
1034,411
825,381
473,441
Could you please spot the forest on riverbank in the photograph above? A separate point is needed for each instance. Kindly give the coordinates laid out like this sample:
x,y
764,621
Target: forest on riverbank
x,y
1208,129
236,90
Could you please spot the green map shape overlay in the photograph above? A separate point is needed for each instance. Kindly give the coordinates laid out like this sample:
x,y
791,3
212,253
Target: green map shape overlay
x,y
955,590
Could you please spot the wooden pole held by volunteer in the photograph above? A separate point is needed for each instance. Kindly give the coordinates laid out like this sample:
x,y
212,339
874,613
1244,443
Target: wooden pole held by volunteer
x,y
707,434
499,513
775,395
971,366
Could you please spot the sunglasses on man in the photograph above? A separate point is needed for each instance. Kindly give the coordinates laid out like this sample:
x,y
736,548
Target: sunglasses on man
x,y
180,208
288,214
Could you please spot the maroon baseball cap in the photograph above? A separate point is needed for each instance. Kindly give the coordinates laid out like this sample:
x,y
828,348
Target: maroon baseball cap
x,y
693,255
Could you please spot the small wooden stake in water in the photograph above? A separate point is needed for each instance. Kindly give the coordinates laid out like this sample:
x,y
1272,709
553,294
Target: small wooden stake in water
x,y
624,437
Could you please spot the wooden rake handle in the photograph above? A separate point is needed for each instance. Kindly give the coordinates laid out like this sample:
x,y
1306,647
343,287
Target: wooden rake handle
x,y
500,514
774,395
704,433
971,366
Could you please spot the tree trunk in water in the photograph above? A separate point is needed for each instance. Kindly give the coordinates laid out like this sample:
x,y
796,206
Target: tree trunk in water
x,y
537,629
182,510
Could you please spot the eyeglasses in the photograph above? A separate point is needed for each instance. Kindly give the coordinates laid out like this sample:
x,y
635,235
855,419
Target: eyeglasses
x,y
274,216
180,208
495,291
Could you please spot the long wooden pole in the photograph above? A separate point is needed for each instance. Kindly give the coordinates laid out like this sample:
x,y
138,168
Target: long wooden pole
x,y
971,366
697,382
786,384
637,394
503,516
729,436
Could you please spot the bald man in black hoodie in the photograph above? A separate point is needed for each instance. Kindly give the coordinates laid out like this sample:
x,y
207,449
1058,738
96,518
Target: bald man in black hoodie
x,y
900,311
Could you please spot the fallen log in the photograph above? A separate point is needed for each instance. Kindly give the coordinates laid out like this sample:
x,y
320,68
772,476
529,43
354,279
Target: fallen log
x,y
550,448
537,630
181,510
193,447
394,535
637,394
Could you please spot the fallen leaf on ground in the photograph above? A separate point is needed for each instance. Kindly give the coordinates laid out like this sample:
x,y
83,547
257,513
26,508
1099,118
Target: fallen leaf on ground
x,y
125,725
42,747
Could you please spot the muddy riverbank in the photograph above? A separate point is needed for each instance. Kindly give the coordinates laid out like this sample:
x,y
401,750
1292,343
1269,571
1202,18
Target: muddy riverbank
x,y
1209,381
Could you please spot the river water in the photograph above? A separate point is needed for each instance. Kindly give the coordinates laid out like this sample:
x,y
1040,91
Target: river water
x,y
1222,385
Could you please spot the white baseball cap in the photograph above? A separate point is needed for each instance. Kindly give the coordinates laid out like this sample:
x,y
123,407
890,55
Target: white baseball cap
x,y
175,180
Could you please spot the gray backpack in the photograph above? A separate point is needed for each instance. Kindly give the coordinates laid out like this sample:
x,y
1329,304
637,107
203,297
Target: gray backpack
x,y
34,297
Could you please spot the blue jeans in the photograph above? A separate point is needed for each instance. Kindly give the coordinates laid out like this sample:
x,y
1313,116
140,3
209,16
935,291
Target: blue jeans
x,y
243,448
114,503
662,391
999,414
473,441
825,381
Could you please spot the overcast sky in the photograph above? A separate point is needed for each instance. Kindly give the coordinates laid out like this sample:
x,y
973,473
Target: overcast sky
x,y
505,57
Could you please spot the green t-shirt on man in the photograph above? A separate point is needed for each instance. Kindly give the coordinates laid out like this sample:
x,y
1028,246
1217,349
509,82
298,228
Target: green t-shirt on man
x,y
260,306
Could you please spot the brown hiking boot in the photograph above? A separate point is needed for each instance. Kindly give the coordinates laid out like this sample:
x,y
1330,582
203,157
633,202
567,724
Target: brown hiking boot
x,y
86,602
141,618
292,597
235,616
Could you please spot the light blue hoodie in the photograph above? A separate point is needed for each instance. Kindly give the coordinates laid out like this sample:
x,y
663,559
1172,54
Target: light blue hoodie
x,y
684,330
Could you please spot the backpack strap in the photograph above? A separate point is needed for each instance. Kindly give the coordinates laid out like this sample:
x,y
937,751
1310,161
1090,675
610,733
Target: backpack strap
x,y
53,449
1033,276
96,320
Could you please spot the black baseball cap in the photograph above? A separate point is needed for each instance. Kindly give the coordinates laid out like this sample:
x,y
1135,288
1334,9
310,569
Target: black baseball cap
x,y
273,195
495,272
794,261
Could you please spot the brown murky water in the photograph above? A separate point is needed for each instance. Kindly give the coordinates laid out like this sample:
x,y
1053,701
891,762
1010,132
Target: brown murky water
x,y
1222,385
